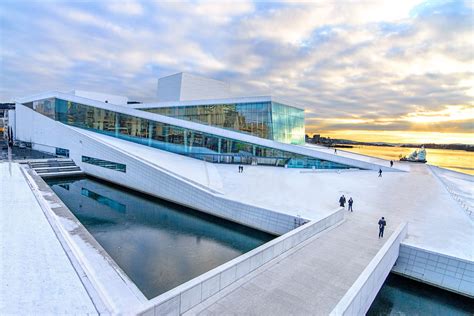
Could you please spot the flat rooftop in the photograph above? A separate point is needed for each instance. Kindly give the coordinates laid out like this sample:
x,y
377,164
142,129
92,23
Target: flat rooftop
x,y
253,99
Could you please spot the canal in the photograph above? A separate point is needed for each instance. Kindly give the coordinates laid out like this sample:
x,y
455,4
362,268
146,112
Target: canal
x,y
158,244
403,296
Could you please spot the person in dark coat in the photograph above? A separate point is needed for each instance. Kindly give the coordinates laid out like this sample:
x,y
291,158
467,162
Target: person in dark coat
x,y
351,201
391,163
382,224
342,200
380,172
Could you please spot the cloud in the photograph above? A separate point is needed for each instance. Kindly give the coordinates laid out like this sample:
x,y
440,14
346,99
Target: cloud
x,y
295,24
125,7
379,64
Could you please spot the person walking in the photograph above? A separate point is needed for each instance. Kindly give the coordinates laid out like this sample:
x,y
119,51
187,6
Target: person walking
x,y
342,201
380,172
335,151
391,163
351,201
382,224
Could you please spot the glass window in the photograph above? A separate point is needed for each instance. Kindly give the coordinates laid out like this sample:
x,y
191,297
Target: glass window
x,y
105,163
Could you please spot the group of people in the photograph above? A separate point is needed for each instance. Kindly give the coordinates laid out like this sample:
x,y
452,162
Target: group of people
x,y
382,223
342,202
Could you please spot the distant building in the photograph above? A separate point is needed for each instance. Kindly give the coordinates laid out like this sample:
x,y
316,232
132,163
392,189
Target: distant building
x,y
5,108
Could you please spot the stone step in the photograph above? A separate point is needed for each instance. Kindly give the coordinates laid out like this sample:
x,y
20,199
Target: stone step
x,y
55,167
61,174
57,170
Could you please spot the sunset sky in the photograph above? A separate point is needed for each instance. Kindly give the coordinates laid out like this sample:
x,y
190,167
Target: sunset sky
x,y
397,71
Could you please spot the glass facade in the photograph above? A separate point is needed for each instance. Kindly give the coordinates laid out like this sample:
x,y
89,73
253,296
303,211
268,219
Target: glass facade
x,y
192,143
62,152
270,120
287,124
105,164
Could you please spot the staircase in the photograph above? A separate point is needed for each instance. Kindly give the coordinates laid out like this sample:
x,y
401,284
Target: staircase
x,y
60,167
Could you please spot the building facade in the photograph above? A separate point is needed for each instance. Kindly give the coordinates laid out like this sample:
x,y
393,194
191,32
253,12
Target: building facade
x,y
240,130
263,117
154,132
185,87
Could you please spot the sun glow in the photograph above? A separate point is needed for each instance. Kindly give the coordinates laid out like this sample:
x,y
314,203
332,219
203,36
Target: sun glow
x,y
400,136
451,113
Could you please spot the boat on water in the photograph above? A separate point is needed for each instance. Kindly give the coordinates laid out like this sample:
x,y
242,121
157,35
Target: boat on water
x,y
419,155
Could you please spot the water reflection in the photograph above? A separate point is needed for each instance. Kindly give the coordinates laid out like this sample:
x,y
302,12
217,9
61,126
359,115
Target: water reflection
x,y
158,244
457,160
402,296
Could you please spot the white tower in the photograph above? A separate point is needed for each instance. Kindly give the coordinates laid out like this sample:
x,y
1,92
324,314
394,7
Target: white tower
x,y
185,87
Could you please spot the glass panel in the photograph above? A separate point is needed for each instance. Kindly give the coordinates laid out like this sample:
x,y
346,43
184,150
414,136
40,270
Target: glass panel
x,y
105,163
250,118
62,152
288,124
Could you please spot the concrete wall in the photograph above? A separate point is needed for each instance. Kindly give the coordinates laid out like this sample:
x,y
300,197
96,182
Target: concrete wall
x,y
360,296
102,97
184,87
197,290
200,88
453,274
146,177
108,286
169,88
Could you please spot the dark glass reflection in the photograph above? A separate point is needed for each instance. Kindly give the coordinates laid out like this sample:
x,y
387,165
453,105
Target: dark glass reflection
x,y
158,244
403,296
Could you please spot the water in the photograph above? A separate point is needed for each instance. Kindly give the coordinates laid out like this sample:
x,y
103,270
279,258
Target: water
x,y
158,244
403,296
457,160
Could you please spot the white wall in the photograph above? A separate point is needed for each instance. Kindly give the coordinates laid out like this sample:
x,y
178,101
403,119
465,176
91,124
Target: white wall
x,y
196,88
102,97
188,295
362,293
185,87
169,88
440,270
